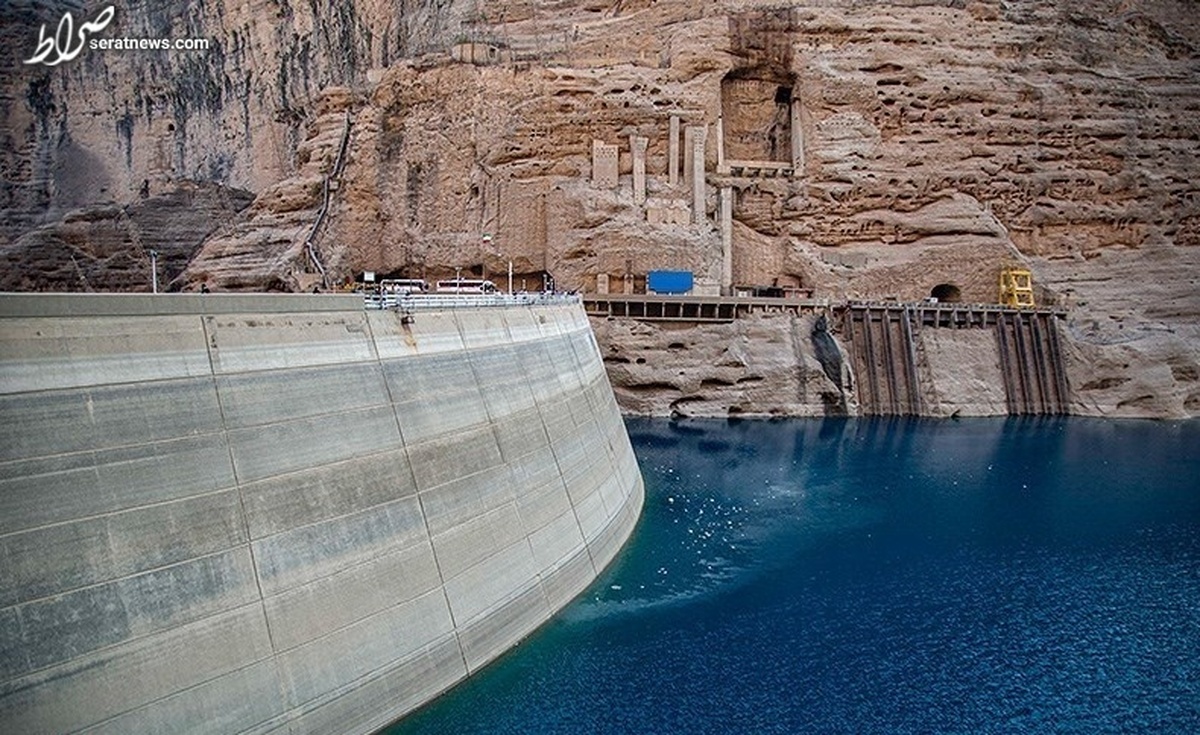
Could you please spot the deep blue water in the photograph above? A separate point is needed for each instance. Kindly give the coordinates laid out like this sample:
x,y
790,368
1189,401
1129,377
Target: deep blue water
x,y
879,576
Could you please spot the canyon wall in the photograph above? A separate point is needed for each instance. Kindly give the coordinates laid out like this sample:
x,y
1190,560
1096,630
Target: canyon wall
x,y
116,125
858,150
280,513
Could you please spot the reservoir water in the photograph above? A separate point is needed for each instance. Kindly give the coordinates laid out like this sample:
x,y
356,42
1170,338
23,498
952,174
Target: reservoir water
x,y
878,576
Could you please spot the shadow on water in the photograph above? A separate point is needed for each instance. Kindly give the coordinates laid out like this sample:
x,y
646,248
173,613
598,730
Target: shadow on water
x,y
879,575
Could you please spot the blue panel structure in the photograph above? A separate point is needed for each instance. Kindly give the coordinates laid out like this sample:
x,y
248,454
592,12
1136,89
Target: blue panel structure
x,y
669,282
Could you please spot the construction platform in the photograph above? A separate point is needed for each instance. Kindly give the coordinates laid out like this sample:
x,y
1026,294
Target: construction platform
x,y
882,342
653,307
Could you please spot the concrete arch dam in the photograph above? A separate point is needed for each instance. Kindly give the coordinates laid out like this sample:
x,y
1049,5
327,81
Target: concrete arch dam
x,y
233,513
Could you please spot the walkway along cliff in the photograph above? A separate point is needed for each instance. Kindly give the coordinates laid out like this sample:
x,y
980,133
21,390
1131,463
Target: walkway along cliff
x,y
285,513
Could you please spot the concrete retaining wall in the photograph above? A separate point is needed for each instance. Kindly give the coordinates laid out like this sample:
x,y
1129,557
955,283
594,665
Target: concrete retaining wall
x,y
282,513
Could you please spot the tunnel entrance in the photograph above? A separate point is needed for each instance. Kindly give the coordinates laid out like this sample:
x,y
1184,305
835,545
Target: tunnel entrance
x,y
946,293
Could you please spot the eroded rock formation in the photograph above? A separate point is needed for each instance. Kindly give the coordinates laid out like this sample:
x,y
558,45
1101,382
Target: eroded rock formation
x,y
861,150
763,366
107,247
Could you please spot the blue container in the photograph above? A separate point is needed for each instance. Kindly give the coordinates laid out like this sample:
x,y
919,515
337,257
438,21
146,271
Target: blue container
x,y
669,282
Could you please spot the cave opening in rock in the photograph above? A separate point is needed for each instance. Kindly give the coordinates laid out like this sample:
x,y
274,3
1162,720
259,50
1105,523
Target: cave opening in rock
x,y
757,110
946,293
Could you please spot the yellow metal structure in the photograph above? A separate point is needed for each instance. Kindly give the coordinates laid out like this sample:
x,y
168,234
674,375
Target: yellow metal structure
x,y
1016,287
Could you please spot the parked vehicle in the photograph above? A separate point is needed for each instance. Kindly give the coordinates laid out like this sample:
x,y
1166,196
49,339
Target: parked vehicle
x,y
466,285
402,286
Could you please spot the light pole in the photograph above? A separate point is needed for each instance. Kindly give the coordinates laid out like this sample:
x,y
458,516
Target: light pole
x,y
154,270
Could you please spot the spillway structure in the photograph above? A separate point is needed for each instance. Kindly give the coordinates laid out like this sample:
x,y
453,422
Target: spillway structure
x,y
886,355
267,514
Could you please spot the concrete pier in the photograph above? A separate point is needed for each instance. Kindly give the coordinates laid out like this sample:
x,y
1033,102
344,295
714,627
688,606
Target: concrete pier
x,y
230,513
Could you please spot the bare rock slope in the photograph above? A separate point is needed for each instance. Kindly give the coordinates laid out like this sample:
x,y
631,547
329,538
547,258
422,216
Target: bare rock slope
x,y
862,151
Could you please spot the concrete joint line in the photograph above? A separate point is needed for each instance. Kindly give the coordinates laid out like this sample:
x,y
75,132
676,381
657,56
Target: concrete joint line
x,y
118,512
114,580
210,346
462,654
179,692
558,466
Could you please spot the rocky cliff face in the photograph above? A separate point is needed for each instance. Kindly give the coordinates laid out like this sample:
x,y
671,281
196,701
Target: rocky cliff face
x,y
114,125
108,247
862,150
764,366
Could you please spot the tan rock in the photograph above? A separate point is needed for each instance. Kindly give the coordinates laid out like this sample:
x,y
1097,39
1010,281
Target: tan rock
x,y
906,146
761,366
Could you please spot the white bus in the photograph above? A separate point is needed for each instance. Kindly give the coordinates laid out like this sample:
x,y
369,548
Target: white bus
x,y
466,285
402,286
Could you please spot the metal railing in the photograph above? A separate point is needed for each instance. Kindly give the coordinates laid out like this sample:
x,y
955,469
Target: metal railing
x,y
413,302
310,243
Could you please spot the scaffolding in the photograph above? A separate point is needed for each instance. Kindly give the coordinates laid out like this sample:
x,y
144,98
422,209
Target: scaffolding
x,y
1016,288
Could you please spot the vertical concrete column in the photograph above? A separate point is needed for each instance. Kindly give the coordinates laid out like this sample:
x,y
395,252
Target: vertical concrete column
x,y
544,227
699,137
673,152
604,165
637,146
688,134
725,204
722,168
797,138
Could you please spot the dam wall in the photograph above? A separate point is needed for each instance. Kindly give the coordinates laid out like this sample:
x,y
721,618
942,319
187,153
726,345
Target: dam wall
x,y
232,513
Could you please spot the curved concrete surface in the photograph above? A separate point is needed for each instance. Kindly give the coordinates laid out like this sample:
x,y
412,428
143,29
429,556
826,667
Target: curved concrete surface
x,y
231,513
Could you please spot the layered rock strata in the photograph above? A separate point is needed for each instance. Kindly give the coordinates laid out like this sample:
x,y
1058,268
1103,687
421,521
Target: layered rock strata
x,y
875,151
